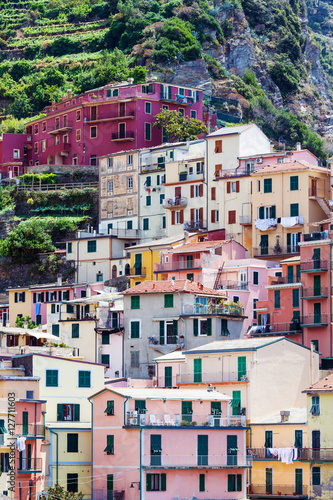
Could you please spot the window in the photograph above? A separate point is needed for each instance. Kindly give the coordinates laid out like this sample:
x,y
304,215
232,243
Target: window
x,y
110,186
115,93
51,378
78,135
233,187
91,246
129,182
218,147
36,147
146,224
202,326
4,462
73,482
193,114
148,181
147,89
241,368
267,185
135,359
148,108
298,439
156,482
213,193
200,167
75,159
268,439
277,299
148,201
168,300
315,343
55,329
109,410
163,222
72,443
78,115
254,308
232,217
69,248
294,183
315,476
236,402
294,210
16,152
256,277
224,327
135,302
218,171
215,216
135,329
36,128
19,297
162,196
296,297
105,338
75,330
235,482
129,159
29,394
93,160
109,449
148,131
315,405
84,378
268,212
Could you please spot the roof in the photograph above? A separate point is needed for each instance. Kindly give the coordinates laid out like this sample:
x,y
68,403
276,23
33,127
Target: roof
x,y
172,356
58,358
252,344
324,385
297,258
162,393
200,246
297,416
297,165
237,129
155,243
102,297
170,286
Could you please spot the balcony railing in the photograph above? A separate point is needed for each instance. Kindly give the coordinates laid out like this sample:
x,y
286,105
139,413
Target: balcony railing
x,y
59,127
194,310
316,455
315,320
194,225
283,280
108,494
245,219
123,136
212,377
119,116
292,328
175,202
152,167
30,430
138,271
233,285
277,490
262,454
239,172
315,293
179,99
177,265
276,250
314,266
317,192
109,323
134,418
29,465
323,235
197,461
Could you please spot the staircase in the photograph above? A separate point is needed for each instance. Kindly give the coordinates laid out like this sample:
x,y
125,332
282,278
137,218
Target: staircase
x,y
325,206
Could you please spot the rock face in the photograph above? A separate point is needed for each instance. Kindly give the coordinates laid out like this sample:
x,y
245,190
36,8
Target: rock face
x,y
316,74
188,73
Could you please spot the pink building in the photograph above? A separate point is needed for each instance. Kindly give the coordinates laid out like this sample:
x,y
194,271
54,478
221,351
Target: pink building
x,y
167,443
253,163
13,154
106,120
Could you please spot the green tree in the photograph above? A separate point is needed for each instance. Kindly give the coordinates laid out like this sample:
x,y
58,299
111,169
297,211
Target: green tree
x,y
179,127
21,106
59,493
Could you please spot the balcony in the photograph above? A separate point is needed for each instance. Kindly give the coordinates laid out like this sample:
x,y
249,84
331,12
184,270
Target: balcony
x,y
107,322
62,148
60,129
245,220
316,455
175,202
323,235
233,285
314,266
283,280
182,265
213,377
239,172
314,321
277,491
123,136
292,328
207,310
195,461
179,99
29,465
120,116
154,167
315,293
195,225
138,271
108,494
191,421
275,251
124,233
262,454
30,430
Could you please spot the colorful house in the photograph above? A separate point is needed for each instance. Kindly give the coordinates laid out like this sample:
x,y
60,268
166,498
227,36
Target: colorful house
x,y
101,121
166,443
13,154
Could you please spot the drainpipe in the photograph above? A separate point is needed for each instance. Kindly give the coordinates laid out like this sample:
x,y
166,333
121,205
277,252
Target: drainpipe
x,y
330,323
35,476
91,447
151,263
77,260
207,176
57,455
125,411
141,484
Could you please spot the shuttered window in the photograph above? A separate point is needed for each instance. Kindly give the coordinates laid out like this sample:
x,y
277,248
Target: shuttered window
x,y
109,449
168,300
84,378
72,443
51,378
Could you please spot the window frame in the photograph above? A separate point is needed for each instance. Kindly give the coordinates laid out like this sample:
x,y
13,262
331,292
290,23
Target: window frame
x,y
268,185
55,374
79,374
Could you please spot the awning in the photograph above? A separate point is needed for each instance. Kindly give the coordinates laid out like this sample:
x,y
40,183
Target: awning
x,y
34,332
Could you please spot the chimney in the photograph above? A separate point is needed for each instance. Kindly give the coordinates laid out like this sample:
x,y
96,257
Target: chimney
x,y
88,291
53,103
285,416
64,97
59,279
69,92
298,146
153,286
130,81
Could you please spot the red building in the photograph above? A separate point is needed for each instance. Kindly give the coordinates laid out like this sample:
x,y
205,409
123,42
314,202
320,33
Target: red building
x,y
112,118
13,154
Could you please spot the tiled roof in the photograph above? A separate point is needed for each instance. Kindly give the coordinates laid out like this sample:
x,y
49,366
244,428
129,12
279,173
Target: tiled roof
x,y
324,385
201,246
297,416
171,286
237,129
289,167
155,243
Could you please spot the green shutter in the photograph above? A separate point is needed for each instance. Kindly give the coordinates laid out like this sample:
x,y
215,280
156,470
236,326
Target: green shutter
x,y
215,407
168,300
148,482
231,482
295,297
72,443
135,302
202,482
163,482
25,419
209,326
236,402
105,338
175,328
197,370
273,212
55,330
268,439
135,329
53,309
241,367
298,439
261,212
109,482
75,330
59,412
109,410
239,482
161,332
76,413
277,299
195,327
168,376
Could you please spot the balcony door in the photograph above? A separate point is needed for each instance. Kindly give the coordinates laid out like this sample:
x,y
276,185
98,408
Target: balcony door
x,y
202,450
122,130
187,411
122,109
316,285
317,312
299,481
269,481
315,445
232,450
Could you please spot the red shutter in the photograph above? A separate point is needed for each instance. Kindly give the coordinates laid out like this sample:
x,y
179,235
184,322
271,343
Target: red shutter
x,y
192,214
237,186
232,217
201,213
228,187
212,216
192,191
201,190
213,195
178,192
182,216
173,218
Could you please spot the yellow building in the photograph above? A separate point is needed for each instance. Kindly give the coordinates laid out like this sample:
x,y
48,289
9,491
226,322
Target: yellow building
x,y
287,198
19,303
284,432
319,454
65,384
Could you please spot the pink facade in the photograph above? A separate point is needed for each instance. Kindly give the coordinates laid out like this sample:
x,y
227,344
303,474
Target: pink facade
x,y
13,154
142,447
107,120
255,162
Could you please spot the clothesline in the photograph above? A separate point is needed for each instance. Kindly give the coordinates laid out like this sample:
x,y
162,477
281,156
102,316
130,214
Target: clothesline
x,y
286,455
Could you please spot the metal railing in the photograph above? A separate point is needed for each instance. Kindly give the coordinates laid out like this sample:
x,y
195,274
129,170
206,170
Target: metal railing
x,y
127,135
284,280
239,172
317,192
135,418
195,224
175,202
294,327
36,430
54,187
276,250
152,167
28,465
99,494
315,292
59,126
315,320
323,235
212,377
314,265
124,233
278,489
245,219
316,454
178,265
262,454
193,310
233,285
138,271
166,460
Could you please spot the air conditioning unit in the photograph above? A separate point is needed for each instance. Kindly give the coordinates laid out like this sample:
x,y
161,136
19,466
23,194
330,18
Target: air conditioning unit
x,y
259,160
